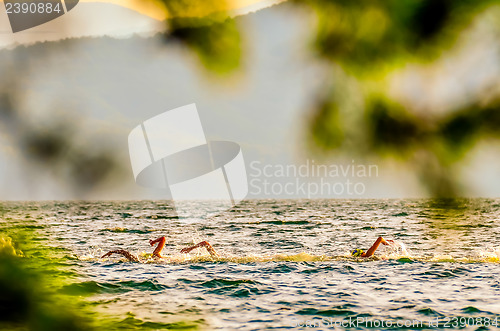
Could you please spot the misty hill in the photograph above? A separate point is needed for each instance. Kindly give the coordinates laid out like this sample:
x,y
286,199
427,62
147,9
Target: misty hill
x,y
86,20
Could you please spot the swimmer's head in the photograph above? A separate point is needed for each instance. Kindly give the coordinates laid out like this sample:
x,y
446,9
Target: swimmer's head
x,y
357,252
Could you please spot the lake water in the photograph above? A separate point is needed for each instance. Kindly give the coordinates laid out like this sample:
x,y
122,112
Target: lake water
x,y
284,264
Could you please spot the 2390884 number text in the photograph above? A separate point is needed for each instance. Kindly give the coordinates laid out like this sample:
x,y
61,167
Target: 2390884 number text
x,y
33,8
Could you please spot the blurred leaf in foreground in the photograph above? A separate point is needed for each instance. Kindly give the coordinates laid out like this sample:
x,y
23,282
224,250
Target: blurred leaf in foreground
x,y
369,42
206,28
26,298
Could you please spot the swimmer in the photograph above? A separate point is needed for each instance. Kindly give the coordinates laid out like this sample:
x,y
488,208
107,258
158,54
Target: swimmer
x,y
371,251
161,244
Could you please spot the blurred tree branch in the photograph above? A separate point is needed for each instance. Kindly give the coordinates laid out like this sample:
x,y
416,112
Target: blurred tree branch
x,y
367,41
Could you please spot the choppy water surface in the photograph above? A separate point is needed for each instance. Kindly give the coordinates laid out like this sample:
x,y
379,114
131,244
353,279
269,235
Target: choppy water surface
x,y
285,263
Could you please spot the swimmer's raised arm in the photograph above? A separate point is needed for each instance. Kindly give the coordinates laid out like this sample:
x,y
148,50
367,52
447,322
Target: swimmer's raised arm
x,y
374,247
161,243
205,244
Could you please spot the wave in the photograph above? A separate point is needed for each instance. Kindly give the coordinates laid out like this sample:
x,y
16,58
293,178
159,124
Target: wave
x,y
92,287
125,230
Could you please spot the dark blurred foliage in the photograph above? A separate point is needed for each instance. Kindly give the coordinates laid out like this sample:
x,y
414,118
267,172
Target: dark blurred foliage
x,y
51,144
366,41
30,280
54,147
24,305
207,29
326,126
363,35
216,43
397,130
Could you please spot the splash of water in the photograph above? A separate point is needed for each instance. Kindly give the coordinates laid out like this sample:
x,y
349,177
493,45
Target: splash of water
x,y
396,250
487,254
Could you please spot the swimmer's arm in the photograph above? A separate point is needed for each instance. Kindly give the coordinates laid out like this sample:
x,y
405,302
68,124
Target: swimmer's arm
x,y
122,252
205,244
374,247
161,243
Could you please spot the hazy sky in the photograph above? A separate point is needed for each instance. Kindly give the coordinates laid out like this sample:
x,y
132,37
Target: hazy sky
x,y
102,88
